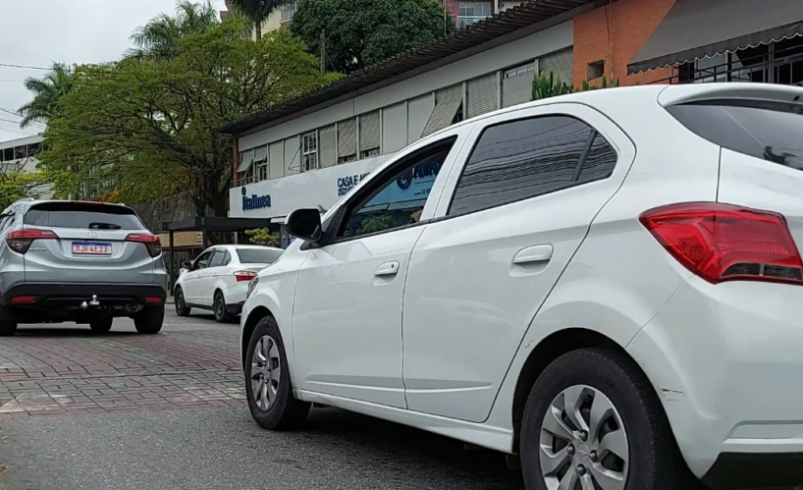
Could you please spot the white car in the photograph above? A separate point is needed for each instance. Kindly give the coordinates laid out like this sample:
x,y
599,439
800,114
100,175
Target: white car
x,y
218,279
606,286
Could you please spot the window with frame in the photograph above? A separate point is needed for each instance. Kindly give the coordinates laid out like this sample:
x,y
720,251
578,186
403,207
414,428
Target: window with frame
x,y
217,258
470,13
261,164
202,261
399,197
527,158
309,152
20,152
288,11
8,154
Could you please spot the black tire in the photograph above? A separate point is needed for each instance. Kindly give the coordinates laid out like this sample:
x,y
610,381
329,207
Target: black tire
x,y
181,306
102,324
8,323
285,413
654,460
219,307
150,319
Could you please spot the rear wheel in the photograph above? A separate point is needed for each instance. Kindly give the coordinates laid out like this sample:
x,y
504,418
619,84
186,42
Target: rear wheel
x,y
181,305
150,319
102,324
267,381
221,313
592,420
8,323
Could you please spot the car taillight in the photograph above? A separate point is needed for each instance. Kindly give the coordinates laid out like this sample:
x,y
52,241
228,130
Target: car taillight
x,y
20,240
724,242
150,241
244,275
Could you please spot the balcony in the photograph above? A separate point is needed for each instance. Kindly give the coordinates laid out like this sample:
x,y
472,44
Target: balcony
x,y
780,62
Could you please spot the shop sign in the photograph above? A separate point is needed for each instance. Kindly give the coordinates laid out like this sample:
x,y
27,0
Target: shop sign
x,y
254,201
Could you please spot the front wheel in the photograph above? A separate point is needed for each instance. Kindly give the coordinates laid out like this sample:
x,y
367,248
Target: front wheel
x,y
181,305
593,421
267,381
150,319
221,313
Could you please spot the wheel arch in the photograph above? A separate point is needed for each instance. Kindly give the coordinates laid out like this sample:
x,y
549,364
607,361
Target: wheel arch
x,y
549,349
254,316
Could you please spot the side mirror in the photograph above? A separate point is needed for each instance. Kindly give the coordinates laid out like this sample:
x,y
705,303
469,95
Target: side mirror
x,y
305,224
187,265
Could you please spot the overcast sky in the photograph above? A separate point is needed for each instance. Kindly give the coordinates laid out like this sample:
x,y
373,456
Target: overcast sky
x,y
39,32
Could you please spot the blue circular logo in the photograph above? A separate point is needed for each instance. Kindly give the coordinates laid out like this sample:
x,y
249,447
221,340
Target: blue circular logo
x,y
243,191
405,179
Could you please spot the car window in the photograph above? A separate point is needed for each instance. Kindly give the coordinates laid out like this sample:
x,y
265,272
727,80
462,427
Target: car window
x,y
226,258
217,258
399,199
766,130
258,255
202,261
93,216
599,162
522,159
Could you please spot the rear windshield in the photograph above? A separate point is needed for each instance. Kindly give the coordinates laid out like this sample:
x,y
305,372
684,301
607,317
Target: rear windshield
x,y
83,216
768,130
258,255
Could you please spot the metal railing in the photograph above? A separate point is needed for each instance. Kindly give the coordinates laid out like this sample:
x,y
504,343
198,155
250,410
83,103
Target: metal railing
x,y
784,67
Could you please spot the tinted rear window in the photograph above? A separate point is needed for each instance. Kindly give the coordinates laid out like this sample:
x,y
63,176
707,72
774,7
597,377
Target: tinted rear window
x,y
83,216
258,256
767,130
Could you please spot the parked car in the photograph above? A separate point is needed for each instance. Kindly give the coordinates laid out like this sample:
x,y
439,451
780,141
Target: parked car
x,y
218,279
83,262
605,285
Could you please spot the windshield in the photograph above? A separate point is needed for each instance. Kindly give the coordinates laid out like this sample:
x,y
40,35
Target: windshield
x,y
83,216
767,130
258,255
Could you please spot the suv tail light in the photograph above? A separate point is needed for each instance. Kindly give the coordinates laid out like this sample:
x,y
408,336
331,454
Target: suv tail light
x,y
244,275
150,241
723,242
20,240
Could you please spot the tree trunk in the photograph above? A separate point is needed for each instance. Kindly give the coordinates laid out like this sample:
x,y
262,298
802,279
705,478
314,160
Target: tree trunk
x,y
258,30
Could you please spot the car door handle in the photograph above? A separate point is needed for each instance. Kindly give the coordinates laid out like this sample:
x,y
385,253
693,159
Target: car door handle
x,y
532,255
387,269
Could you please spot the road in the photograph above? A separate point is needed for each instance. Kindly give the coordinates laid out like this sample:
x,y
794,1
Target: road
x,y
123,411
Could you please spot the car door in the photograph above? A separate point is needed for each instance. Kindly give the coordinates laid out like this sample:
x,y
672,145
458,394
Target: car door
x,y
192,279
348,301
509,222
209,275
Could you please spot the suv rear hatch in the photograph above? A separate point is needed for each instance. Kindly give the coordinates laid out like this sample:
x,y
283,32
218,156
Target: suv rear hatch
x,y
86,242
759,129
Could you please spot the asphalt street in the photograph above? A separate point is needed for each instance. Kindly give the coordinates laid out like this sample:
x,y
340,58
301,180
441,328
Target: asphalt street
x,y
122,411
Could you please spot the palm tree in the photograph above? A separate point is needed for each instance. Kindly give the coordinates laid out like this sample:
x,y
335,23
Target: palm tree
x,y
257,11
47,94
158,38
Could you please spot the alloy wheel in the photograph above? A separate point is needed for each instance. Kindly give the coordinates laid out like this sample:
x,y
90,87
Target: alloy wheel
x,y
583,443
266,371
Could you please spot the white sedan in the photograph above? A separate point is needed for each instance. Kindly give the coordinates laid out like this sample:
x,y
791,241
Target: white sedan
x,y
218,279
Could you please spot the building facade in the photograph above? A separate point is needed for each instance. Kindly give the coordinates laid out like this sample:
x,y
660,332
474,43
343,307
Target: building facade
x,y
311,151
19,155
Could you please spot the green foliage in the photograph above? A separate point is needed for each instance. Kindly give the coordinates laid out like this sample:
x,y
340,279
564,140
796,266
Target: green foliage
x,y
360,33
150,124
257,11
545,85
376,223
47,93
15,186
261,236
158,39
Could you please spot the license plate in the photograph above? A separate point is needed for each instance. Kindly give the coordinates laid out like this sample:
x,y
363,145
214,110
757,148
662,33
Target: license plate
x,y
91,248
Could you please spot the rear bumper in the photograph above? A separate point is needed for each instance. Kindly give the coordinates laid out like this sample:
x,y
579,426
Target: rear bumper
x,y
51,294
741,470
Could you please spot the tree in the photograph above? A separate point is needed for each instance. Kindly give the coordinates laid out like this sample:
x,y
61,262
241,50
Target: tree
x,y
158,39
258,11
152,126
360,33
47,93
261,236
15,186
545,85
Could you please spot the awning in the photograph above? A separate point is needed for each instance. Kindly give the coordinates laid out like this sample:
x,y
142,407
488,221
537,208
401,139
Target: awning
x,y
247,160
696,29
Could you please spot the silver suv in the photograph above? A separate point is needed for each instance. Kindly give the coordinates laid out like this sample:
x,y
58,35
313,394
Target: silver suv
x,y
83,262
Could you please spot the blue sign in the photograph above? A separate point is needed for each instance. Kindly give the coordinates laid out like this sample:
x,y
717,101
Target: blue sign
x,y
345,184
254,201
412,185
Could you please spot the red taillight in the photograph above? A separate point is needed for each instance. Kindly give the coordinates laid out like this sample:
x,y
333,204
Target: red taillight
x,y
244,275
723,242
20,240
150,241
23,299
153,299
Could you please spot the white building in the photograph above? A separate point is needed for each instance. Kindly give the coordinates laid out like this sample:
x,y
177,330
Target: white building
x,y
310,151
19,155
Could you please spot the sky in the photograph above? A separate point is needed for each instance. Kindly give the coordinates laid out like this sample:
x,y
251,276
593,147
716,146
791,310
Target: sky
x,y
40,32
